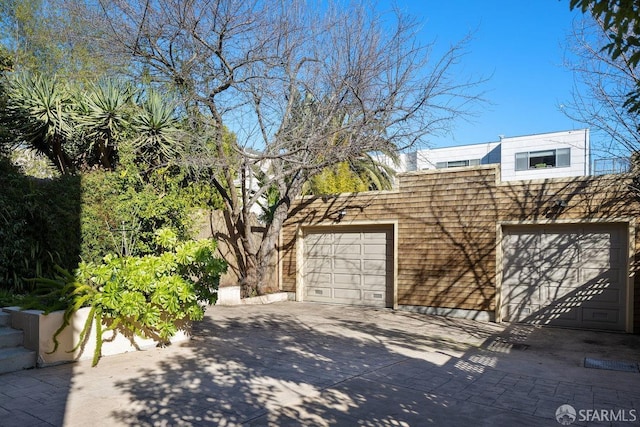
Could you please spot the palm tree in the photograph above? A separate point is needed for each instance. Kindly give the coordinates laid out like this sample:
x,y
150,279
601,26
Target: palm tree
x,y
376,175
355,170
363,173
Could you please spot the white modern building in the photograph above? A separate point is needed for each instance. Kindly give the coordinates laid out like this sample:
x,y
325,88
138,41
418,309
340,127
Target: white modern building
x,y
545,155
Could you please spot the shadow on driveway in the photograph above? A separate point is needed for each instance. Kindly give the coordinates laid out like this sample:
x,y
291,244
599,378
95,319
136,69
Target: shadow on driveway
x,y
313,364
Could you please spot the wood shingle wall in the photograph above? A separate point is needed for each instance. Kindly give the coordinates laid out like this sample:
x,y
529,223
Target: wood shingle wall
x,y
448,225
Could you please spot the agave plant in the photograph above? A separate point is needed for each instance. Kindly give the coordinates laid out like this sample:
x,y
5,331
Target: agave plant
x,y
159,137
103,115
38,114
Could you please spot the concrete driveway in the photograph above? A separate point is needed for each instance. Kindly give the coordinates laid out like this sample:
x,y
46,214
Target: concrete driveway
x,y
311,364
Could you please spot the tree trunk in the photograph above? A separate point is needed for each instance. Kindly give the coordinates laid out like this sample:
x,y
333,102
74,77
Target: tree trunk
x,y
59,157
264,259
250,283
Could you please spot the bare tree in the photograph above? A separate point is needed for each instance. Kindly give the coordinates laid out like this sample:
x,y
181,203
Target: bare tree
x,y
620,20
602,88
301,85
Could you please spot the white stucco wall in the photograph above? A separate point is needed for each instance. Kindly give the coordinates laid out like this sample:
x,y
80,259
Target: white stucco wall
x,y
503,152
577,141
487,153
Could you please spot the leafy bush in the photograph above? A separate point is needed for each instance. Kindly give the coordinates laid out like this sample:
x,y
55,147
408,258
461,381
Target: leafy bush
x,y
39,225
122,210
60,221
148,296
11,299
118,205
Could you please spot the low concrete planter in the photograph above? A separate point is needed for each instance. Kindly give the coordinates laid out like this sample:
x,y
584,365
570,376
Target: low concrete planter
x,y
230,295
266,299
39,329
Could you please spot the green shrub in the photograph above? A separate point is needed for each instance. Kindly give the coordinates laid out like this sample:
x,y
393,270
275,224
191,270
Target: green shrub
x,y
149,296
11,299
122,210
118,205
39,225
63,220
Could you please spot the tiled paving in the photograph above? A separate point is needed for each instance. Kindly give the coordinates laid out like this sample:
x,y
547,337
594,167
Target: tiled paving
x,y
311,364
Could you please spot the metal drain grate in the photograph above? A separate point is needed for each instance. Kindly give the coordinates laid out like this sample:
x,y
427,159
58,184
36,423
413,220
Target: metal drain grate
x,y
612,365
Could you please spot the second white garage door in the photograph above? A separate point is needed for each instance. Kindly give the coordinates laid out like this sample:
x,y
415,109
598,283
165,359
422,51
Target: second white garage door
x,y
571,276
349,266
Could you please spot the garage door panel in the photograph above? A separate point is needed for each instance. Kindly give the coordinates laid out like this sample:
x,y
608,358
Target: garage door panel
x,y
571,276
601,258
515,274
601,317
318,239
346,279
604,295
523,294
371,281
319,251
559,241
348,266
378,266
344,249
375,250
375,298
523,260
519,312
583,295
601,239
599,275
557,315
375,237
521,240
519,255
557,291
319,265
319,293
549,313
346,239
601,293
317,277
347,294
554,258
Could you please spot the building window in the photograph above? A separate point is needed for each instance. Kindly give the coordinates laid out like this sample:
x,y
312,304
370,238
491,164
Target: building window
x,y
543,159
457,163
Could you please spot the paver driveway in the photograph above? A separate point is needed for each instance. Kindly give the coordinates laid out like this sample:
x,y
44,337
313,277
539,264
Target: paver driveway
x,y
311,364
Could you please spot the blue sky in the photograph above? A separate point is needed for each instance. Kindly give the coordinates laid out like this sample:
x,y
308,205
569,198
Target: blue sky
x,y
521,44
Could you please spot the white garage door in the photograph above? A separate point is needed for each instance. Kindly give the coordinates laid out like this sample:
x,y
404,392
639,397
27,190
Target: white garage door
x,y
348,266
571,276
